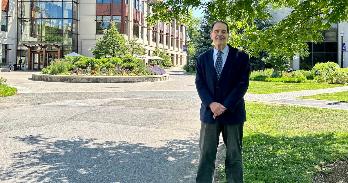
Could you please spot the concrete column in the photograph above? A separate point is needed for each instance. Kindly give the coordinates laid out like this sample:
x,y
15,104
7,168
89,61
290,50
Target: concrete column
x,y
87,27
174,33
170,37
0,17
296,62
179,37
130,19
157,35
184,34
164,35
144,28
342,32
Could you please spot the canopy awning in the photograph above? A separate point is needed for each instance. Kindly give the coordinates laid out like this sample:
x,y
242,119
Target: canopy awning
x,y
73,54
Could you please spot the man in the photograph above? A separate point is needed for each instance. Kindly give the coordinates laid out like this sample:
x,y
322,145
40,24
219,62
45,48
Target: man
x,y
222,80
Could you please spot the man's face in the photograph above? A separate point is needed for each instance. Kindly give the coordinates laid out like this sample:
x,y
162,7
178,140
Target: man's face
x,y
219,34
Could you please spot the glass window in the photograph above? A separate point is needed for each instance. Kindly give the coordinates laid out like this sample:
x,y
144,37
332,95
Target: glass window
x,y
116,1
104,1
67,26
51,10
4,50
136,30
103,22
67,10
4,20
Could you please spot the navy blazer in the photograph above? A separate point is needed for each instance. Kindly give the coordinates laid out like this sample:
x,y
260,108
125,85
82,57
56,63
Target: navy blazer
x,y
229,90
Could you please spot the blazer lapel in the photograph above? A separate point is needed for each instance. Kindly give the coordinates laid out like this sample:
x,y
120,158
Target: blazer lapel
x,y
211,66
231,57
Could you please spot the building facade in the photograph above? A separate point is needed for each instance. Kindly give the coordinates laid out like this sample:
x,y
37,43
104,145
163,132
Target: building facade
x,y
8,29
331,49
35,32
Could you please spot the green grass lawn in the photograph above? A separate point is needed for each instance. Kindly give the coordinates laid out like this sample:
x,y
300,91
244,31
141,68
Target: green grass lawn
x,y
339,96
261,87
289,143
7,91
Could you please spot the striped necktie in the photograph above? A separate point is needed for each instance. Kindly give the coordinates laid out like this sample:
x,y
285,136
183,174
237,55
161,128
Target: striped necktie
x,y
218,64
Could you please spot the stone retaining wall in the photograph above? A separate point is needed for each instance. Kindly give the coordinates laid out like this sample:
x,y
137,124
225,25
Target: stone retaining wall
x,y
98,79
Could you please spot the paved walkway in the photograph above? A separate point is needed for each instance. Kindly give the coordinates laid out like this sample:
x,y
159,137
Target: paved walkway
x,y
294,98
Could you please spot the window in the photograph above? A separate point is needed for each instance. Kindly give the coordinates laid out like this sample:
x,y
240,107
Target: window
x,y
136,30
104,1
109,1
154,35
103,22
49,22
116,1
4,20
4,48
161,37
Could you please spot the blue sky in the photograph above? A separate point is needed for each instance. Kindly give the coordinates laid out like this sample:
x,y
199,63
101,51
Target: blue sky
x,y
197,12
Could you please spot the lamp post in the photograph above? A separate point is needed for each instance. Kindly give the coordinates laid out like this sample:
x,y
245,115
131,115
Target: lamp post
x,y
342,45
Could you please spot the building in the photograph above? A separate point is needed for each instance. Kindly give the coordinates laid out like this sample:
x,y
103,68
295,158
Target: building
x,y
331,49
35,32
8,36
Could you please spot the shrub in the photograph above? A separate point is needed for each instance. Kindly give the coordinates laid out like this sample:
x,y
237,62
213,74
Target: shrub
x,y
133,66
289,78
325,72
83,62
190,66
341,76
261,75
58,67
167,60
308,74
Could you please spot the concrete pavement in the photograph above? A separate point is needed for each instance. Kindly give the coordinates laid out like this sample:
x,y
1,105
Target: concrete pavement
x,y
63,132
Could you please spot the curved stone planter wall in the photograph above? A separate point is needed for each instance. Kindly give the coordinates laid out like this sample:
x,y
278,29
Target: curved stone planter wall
x,y
98,79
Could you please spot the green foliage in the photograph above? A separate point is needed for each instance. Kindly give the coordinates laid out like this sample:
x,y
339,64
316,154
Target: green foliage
x,y
6,90
135,48
325,72
199,40
190,67
261,75
289,77
58,67
308,74
84,62
339,96
167,60
252,28
133,66
127,65
290,143
112,44
322,72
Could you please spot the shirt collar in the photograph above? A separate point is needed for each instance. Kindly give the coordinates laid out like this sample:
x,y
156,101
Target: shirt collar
x,y
225,50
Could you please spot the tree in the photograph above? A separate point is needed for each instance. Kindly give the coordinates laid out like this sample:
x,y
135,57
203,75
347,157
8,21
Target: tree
x,y
282,40
167,61
199,40
112,44
135,48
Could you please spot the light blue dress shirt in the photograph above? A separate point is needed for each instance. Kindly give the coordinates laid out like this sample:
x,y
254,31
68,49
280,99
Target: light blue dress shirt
x,y
224,55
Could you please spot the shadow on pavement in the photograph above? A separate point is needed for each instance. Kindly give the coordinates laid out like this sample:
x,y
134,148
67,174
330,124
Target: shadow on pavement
x,y
86,160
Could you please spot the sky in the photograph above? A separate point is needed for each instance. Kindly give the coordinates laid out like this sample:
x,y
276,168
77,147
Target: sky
x,y
198,12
